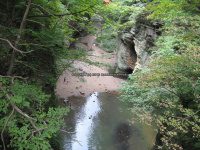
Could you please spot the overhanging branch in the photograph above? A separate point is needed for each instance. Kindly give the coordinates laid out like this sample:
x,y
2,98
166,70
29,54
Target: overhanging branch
x,y
14,77
14,48
57,15
18,110
30,119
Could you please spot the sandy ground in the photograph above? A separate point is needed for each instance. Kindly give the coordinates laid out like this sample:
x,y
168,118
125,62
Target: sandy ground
x,y
85,79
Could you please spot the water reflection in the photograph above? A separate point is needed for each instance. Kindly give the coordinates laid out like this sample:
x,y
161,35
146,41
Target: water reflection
x,y
84,124
122,135
101,122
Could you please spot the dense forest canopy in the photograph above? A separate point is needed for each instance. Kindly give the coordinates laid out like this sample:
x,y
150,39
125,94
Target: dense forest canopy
x,y
166,92
36,34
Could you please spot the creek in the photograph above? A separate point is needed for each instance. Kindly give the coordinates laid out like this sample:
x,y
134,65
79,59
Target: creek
x,y
102,122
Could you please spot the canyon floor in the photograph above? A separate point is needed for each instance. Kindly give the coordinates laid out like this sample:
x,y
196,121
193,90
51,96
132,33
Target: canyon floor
x,y
86,77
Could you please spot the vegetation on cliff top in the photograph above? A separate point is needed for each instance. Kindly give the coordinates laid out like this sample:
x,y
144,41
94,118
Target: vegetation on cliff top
x,y
167,91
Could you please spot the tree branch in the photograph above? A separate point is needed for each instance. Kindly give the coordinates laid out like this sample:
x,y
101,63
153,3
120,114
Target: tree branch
x,y
13,77
36,22
30,119
13,47
42,9
17,109
4,127
12,60
59,15
66,131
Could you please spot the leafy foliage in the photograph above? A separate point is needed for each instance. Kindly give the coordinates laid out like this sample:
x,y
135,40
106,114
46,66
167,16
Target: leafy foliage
x,y
32,130
118,16
32,50
166,93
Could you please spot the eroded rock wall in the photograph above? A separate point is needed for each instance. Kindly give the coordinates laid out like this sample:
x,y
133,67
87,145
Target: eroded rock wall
x,y
133,45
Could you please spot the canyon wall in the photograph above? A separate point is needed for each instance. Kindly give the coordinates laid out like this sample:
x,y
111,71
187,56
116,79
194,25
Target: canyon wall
x,y
134,44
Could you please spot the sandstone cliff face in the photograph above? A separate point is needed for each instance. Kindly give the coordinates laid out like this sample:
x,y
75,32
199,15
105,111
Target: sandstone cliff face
x,y
133,45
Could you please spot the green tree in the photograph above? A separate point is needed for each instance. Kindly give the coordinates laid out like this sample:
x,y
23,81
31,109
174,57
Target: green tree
x,y
33,37
166,93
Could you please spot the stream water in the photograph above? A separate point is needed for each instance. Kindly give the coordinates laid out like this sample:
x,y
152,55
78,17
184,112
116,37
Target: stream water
x,y
102,122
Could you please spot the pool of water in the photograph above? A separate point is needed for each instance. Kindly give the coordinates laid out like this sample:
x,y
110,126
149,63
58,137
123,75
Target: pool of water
x,y
102,122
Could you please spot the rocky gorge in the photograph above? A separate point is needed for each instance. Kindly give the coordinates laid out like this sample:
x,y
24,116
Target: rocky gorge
x,y
134,44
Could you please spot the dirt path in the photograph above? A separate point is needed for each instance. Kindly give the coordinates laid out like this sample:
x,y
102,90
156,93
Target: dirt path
x,y
87,78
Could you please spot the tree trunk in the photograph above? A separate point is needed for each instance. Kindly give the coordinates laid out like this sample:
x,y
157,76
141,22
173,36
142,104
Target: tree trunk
x,y
22,25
